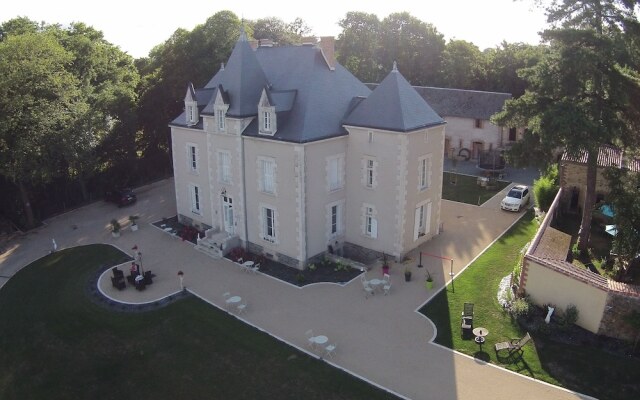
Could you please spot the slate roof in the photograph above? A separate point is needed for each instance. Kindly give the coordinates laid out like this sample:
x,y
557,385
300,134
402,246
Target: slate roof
x,y
394,105
243,80
461,103
202,96
321,96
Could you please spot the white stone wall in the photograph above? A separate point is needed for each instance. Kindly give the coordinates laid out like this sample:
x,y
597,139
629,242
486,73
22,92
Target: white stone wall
x,y
462,132
185,177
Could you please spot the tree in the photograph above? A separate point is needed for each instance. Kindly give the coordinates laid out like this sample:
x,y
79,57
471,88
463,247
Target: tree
x,y
581,95
463,65
108,81
186,56
280,32
38,99
624,186
357,46
416,46
503,65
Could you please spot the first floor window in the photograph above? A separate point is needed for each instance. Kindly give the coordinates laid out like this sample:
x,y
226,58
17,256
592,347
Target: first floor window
x,y
336,173
369,173
193,158
269,224
268,167
195,199
224,168
370,223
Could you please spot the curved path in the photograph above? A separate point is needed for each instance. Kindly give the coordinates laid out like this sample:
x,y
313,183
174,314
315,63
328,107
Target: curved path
x,y
381,339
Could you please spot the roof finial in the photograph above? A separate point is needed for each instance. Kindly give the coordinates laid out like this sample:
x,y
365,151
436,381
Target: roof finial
x,y
221,66
243,34
395,66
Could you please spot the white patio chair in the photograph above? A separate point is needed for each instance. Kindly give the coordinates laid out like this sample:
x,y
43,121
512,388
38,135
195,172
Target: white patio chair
x,y
242,308
256,268
226,295
330,350
386,288
386,278
309,335
368,290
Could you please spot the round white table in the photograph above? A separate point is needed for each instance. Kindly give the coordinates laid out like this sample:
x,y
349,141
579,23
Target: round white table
x,y
480,333
248,264
234,300
319,340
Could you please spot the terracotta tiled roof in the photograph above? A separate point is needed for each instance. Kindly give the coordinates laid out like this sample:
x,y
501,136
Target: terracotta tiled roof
x,y
553,244
630,290
572,271
608,156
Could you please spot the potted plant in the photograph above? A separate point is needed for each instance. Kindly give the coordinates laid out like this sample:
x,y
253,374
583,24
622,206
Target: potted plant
x,y
407,274
429,282
115,228
134,225
385,264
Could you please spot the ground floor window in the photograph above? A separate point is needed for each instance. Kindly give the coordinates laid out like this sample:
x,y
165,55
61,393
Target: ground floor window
x,y
195,199
269,224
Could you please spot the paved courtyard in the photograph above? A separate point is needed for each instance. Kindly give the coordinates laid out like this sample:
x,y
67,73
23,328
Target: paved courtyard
x,y
382,339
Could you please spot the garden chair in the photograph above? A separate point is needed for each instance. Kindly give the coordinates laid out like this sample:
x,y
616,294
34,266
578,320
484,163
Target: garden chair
x,y
387,284
330,350
309,335
467,320
256,268
368,290
242,308
514,346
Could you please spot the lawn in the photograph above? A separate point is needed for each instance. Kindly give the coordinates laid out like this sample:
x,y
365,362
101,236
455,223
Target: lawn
x,y
465,189
56,343
584,369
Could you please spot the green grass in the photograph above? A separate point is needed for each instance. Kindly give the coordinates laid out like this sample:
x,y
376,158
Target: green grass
x,y
576,367
55,343
466,189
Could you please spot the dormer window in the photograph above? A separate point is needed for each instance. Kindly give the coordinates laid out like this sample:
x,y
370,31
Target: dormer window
x,y
221,119
266,115
191,106
266,123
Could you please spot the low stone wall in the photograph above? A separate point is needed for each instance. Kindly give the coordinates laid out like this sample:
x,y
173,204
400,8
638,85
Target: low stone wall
x,y
603,304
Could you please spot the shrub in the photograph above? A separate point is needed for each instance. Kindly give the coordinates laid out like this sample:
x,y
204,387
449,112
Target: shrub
x,y
570,315
521,307
546,188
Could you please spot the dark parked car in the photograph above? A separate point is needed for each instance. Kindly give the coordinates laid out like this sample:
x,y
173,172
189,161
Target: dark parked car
x,y
121,197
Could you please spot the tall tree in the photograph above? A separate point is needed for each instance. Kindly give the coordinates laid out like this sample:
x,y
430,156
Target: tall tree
x,y
417,47
186,56
108,81
504,63
357,47
38,99
624,192
581,95
279,31
463,65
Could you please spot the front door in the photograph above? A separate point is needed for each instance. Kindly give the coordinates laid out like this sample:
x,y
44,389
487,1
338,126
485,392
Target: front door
x,y
227,213
476,150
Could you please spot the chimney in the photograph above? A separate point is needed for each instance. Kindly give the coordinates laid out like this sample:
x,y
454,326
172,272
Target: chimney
x,y
266,43
253,44
328,48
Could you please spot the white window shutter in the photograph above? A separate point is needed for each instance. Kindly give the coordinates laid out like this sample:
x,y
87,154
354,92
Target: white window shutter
x,y
427,224
416,224
374,228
